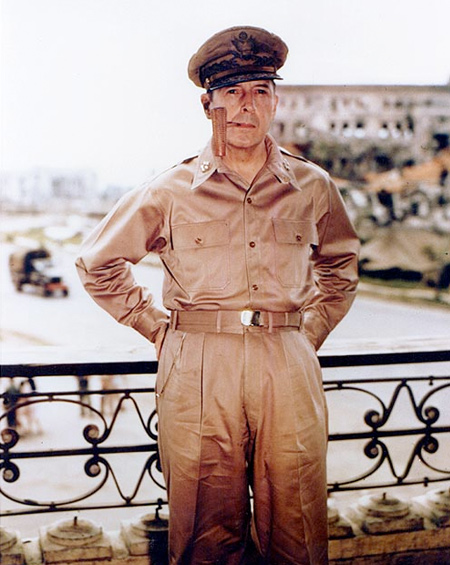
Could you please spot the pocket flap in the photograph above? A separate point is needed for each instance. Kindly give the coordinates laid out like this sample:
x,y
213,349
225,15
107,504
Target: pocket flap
x,y
198,235
295,232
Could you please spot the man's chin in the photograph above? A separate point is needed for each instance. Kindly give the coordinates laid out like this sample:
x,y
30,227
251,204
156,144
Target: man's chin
x,y
244,141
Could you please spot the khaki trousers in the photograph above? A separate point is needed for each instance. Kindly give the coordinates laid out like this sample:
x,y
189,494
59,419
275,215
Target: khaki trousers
x,y
239,412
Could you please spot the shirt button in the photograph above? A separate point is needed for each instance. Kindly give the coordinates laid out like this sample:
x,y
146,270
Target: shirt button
x,y
198,240
298,237
252,244
255,287
205,166
249,200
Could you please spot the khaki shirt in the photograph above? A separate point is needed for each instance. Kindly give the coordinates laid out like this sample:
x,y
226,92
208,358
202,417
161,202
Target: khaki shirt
x,y
282,244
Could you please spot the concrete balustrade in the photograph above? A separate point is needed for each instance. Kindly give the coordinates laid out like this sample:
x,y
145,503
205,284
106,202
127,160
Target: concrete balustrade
x,y
378,528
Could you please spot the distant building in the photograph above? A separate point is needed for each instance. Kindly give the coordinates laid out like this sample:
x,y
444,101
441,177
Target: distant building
x,y
355,129
47,189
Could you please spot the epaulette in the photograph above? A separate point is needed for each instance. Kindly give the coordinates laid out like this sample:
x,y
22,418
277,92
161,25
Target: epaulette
x,y
182,162
313,165
167,169
299,157
188,159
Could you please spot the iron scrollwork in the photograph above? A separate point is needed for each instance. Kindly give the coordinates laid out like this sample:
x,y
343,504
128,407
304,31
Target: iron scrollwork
x,y
424,430
95,453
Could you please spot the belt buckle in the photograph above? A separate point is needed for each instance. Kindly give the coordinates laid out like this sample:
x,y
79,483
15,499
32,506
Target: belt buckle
x,y
250,318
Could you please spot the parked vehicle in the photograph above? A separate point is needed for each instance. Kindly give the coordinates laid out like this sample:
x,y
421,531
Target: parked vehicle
x,y
35,267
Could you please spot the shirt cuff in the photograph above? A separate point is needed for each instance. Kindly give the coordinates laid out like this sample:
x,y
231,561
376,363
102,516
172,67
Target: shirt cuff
x,y
151,324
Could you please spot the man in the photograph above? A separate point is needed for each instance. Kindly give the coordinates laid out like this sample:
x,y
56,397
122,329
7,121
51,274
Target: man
x,y
260,264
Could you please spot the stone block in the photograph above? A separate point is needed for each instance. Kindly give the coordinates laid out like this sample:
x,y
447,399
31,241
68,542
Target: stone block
x,y
435,507
383,514
338,526
75,540
148,535
11,548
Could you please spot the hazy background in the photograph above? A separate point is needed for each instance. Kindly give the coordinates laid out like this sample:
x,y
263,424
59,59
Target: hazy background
x,y
102,84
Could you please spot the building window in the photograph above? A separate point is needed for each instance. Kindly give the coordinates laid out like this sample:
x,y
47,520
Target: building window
x,y
398,130
383,132
347,130
300,130
360,130
409,125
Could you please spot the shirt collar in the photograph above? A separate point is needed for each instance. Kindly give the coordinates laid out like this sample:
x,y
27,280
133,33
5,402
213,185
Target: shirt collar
x,y
208,164
279,165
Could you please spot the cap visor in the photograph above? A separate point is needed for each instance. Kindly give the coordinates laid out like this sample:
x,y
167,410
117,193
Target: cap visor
x,y
249,77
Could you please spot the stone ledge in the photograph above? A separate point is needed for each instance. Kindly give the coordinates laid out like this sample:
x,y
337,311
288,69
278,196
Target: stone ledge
x,y
425,545
33,555
143,541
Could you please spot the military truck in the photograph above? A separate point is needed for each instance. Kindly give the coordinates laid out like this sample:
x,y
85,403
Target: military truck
x,y
34,268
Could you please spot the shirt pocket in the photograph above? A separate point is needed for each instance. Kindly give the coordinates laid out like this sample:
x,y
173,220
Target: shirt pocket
x,y
203,252
293,241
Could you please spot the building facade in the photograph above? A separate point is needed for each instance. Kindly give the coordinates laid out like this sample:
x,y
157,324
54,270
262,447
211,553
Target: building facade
x,y
352,130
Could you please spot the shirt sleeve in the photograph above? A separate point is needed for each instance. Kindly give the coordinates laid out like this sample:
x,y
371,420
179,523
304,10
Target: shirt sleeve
x,y
129,232
335,267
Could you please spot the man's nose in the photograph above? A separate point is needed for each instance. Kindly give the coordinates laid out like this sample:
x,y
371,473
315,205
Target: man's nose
x,y
248,103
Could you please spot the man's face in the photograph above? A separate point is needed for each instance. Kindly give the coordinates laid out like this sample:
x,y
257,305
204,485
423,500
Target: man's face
x,y
250,109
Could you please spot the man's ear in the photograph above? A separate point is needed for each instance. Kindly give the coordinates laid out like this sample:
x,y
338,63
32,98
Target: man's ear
x,y
275,106
206,103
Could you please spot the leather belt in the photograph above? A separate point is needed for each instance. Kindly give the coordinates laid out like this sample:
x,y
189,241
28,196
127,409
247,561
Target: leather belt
x,y
234,321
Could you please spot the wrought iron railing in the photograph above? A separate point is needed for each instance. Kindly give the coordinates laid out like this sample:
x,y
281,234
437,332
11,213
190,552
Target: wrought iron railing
x,y
384,431
424,428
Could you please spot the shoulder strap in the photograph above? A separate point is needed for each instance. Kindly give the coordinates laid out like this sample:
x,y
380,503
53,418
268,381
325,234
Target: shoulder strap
x,y
299,157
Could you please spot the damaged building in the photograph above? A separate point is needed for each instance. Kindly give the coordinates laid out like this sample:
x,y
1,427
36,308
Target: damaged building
x,y
354,130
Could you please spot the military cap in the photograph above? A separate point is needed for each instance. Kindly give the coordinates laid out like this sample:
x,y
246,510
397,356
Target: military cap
x,y
237,54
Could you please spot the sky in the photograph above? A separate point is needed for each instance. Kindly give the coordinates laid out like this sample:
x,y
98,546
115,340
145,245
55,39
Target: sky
x,y
102,84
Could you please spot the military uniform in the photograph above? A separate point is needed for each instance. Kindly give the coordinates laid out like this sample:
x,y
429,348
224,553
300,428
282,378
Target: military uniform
x,y
256,276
